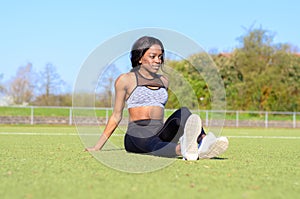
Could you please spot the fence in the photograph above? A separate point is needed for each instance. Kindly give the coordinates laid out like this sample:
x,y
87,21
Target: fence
x,y
99,116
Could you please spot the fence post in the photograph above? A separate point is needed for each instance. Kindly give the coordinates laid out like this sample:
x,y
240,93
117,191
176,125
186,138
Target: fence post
x,y
266,119
237,119
294,120
106,115
31,116
70,116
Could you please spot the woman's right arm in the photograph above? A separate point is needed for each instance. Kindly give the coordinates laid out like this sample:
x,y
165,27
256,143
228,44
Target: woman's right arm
x,y
116,117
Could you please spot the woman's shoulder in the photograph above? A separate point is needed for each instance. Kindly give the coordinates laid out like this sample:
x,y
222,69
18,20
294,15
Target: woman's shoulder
x,y
125,79
126,76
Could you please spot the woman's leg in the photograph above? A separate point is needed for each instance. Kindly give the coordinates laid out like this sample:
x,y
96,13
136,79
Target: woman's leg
x,y
174,126
141,137
168,136
139,134
150,145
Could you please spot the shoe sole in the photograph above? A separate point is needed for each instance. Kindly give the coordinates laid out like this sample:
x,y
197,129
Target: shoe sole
x,y
218,148
192,129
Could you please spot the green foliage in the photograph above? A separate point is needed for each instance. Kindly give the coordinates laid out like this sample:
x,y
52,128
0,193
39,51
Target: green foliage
x,y
258,75
271,73
187,85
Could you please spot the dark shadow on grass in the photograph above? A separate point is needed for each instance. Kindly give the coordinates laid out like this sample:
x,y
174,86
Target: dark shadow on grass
x,y
217,158
178,157
119,149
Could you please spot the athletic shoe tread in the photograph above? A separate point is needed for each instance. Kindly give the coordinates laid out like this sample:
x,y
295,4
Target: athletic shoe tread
x,y
192,129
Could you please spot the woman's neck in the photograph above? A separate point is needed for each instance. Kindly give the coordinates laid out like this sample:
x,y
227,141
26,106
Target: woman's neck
x,y
146,74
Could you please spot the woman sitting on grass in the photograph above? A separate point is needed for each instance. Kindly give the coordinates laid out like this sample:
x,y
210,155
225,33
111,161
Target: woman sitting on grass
x,y
145,92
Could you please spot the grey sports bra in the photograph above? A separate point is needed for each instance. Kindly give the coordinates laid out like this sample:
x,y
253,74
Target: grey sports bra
x,y
148,92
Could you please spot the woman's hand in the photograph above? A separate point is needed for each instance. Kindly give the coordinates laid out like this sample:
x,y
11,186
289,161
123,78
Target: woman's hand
x,y
98,146
89,149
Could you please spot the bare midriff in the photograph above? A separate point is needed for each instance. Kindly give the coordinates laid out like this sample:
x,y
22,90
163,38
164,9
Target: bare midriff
x,y
146,113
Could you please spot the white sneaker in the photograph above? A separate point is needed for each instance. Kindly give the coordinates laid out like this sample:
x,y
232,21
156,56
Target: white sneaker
x,y
188,141
212,146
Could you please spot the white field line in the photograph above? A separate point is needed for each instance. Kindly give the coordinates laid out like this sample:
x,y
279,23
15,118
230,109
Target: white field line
x,y
53,134
91,134
266,137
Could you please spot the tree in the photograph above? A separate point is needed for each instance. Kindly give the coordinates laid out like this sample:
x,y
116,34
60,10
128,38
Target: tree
x,y
105,88
253,60
232,78
187,87
50,85
2,87
21,87
260,75
285,94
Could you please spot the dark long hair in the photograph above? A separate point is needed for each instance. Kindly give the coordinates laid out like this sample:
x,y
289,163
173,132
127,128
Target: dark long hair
x,y
140,47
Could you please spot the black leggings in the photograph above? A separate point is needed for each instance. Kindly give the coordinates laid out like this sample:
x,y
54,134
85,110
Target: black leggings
x,y
155,137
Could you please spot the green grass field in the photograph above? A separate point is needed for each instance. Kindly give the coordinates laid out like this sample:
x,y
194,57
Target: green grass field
x,y
49,162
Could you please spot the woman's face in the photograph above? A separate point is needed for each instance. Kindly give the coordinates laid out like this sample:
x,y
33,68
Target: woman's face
x,y
152,59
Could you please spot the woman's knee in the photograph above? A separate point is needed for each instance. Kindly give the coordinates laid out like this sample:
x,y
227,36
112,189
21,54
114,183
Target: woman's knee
x,y
185,111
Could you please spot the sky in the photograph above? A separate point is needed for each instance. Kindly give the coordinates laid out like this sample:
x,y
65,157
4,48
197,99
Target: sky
x,y
65,32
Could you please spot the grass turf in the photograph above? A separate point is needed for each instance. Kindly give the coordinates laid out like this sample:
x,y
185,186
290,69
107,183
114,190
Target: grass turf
x,y
48,166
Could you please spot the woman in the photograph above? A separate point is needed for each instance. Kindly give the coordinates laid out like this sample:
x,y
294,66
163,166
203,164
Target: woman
x,y
145,92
